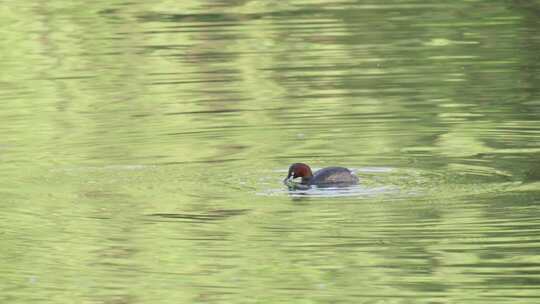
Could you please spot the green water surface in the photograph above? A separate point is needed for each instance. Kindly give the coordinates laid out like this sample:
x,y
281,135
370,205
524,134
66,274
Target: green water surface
x,y
143,144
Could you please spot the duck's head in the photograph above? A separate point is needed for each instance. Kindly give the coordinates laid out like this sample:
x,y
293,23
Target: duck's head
x,y
299,170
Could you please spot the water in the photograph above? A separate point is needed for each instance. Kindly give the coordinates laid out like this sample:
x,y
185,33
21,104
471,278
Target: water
x,y
143,145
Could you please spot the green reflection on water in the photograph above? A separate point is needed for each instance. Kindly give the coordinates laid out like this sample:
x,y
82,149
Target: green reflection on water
x,y
143,145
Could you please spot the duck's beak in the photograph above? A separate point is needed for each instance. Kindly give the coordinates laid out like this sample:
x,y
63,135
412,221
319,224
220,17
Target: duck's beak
x,y
287,179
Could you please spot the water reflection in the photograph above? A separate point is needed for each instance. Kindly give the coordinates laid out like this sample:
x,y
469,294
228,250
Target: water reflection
x,y
143,146
212,215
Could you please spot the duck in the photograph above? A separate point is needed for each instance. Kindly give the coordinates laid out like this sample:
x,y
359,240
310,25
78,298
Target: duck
x,y
326,177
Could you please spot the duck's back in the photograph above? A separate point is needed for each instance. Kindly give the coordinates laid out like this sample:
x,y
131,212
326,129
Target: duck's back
x,y
334,176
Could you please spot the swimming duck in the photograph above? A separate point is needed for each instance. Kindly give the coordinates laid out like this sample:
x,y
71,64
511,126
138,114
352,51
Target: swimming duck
x,y
326,177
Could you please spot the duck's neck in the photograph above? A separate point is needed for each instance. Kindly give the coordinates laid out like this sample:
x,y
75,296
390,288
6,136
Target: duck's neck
x,y
306,180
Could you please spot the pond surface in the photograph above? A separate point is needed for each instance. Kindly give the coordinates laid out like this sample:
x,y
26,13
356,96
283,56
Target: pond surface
x,y
143,144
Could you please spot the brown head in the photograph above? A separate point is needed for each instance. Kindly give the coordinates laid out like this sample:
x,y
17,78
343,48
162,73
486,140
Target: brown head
x,y
299,170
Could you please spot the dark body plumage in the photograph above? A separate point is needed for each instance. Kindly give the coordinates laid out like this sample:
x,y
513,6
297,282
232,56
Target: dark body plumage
x,y
333,176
